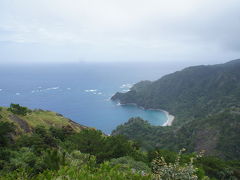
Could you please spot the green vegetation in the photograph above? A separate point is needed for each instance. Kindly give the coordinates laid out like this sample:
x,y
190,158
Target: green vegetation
x,y
27,120
43,155
217,135
194,92
37,144
19,110
205,101
5,130
64,153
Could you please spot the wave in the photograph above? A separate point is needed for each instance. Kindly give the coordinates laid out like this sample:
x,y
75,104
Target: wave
x,y
91,90
124,86
42,90
52,88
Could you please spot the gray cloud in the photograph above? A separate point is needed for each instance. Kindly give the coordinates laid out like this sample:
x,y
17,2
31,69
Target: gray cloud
x,y
107,30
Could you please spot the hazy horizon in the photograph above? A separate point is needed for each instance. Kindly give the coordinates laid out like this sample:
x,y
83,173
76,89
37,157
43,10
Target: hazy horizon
x,y
82,32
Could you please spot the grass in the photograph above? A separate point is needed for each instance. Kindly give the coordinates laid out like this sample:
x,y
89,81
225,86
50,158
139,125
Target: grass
x,y
40,118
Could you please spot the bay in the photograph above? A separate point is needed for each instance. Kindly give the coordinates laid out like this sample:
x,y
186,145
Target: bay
x,y
80,91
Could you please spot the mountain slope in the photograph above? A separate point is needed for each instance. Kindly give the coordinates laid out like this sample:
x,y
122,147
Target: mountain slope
x,y
206,103
27,123
217,135
193,92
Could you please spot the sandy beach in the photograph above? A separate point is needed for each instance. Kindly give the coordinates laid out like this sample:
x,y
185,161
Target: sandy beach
x,y
170,119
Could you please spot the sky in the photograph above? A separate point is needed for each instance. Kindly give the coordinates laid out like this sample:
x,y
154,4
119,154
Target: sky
x,y
62,31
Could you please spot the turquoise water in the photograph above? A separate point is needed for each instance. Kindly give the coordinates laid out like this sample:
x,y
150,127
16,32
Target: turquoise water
x,y
80,93
154,117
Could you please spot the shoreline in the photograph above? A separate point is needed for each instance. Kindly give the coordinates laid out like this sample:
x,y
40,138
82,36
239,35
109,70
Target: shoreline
x,y
170,118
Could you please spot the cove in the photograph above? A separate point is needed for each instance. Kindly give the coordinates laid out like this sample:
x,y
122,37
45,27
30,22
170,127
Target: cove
x,y
80,93
154,117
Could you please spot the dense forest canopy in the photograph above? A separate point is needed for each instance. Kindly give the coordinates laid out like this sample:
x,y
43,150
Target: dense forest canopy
x,y
191,93
205,101
203,142
52,152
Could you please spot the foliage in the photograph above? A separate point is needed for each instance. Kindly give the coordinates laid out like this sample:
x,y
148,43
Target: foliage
x,y
194,92
61,133
39,141
219,169
205,101
64,153
174,171
104,148
47,151
217,134
54,160
105,171
47,119
19,110
5,129
126,163
0,114
24,158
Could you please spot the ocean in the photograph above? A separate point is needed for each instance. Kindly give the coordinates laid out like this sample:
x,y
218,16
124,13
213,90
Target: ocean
x,y
80,91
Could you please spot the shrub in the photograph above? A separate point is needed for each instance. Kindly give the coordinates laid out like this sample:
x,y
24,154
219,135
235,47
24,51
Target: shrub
x,y
19,110
174,171
6,129
127,162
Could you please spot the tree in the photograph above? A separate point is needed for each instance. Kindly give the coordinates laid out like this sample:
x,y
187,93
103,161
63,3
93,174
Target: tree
x,y
19,110
88,141
6,129
174,171
54,159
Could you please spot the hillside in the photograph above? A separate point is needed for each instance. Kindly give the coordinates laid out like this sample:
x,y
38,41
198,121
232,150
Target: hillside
x,y
191,93
46,145
217,135
205,101
34,118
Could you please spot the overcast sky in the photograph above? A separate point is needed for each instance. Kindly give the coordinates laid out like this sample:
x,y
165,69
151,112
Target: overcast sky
x,y
204,31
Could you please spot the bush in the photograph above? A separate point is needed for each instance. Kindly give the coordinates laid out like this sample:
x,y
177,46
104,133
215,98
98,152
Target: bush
x,y
105,171
19,110
6,129
0,114
174,171
126,163
217,168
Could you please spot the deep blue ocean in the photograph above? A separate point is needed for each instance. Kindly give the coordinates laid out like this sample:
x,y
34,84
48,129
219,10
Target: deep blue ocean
x,y
81,91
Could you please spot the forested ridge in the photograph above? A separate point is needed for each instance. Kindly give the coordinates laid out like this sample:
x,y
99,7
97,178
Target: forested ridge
x,y
51,151
203,142
205,101
191,93
216,135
